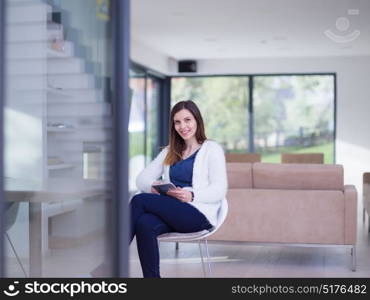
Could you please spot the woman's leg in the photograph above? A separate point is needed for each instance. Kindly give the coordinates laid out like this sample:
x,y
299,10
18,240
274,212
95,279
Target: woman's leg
x,y
148,227
180,216
152,215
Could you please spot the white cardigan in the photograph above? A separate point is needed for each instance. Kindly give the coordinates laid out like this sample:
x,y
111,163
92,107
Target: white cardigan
x,y
209,178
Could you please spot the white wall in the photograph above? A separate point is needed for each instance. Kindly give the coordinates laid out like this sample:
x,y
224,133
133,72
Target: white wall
x,y
353,99
148,57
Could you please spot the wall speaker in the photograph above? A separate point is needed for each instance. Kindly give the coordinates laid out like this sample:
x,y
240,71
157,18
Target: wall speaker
x,y
187,66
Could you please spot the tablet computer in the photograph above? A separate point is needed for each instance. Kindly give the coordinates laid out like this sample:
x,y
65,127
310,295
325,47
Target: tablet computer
x,y
163,188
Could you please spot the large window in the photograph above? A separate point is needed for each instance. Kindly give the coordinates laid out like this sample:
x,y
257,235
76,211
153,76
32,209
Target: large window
x,y
293,114
286,113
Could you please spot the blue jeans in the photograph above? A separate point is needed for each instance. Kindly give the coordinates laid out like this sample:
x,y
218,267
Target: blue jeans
x,y
153,215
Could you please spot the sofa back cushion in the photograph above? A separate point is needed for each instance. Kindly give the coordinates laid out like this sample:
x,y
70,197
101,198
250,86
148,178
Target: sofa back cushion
x,y
243,157
239,175
297,176
285,216
302,158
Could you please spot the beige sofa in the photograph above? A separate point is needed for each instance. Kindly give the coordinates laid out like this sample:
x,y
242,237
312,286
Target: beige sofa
x,y
292,204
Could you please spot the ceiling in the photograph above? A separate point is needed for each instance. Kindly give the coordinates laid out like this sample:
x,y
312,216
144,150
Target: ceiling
x,y
218,29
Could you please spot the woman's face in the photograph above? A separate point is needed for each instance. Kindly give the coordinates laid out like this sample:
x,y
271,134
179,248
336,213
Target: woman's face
x,y
185,124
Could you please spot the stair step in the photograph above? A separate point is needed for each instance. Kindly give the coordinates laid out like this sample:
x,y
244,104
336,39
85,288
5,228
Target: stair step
x,y
78,109
32,82
27,67
26,97
38,66
27,11
27,2
27,50
27,82
34,31
75,96
35,50
71,81
19,89
96,136
67,65
75,147
27,32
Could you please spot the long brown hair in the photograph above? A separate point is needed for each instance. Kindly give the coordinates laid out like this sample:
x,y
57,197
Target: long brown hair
x,y
176,142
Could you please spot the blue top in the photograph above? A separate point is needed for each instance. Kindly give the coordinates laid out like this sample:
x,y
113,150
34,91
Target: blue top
x,y
181,173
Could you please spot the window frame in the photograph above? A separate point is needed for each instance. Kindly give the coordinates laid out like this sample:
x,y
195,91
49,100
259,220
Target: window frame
x,y
162,105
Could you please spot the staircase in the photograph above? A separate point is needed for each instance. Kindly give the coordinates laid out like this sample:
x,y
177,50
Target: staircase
x,y
55,106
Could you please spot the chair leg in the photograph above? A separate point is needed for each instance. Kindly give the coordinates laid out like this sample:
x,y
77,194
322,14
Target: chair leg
x,y
353,254
201,256
208,258
177,246
16,255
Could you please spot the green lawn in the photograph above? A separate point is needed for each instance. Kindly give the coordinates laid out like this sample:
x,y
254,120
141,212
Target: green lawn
x,y
327,149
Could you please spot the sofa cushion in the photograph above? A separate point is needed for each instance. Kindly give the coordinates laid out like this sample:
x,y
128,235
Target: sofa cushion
x,y
283,216
239,175
297,176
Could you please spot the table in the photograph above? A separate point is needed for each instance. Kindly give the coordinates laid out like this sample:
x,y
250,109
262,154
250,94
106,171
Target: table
x,y
35,200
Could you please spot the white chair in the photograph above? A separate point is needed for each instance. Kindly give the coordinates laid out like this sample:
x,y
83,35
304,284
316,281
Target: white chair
x,y
199,236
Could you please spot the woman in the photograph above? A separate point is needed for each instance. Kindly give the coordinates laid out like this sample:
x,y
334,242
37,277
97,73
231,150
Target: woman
x,y
196,166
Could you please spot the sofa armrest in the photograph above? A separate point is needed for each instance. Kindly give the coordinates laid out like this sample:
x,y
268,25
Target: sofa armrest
x,y
366,192
350,214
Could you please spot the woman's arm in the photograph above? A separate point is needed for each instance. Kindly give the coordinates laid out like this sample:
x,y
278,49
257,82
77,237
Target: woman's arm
x,y
151,173
217,188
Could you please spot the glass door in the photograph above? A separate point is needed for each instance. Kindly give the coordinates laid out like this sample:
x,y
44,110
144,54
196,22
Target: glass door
x,y
58,139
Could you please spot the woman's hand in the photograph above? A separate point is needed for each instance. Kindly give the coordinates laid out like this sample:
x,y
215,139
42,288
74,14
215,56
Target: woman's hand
x,y
181,194
153,190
